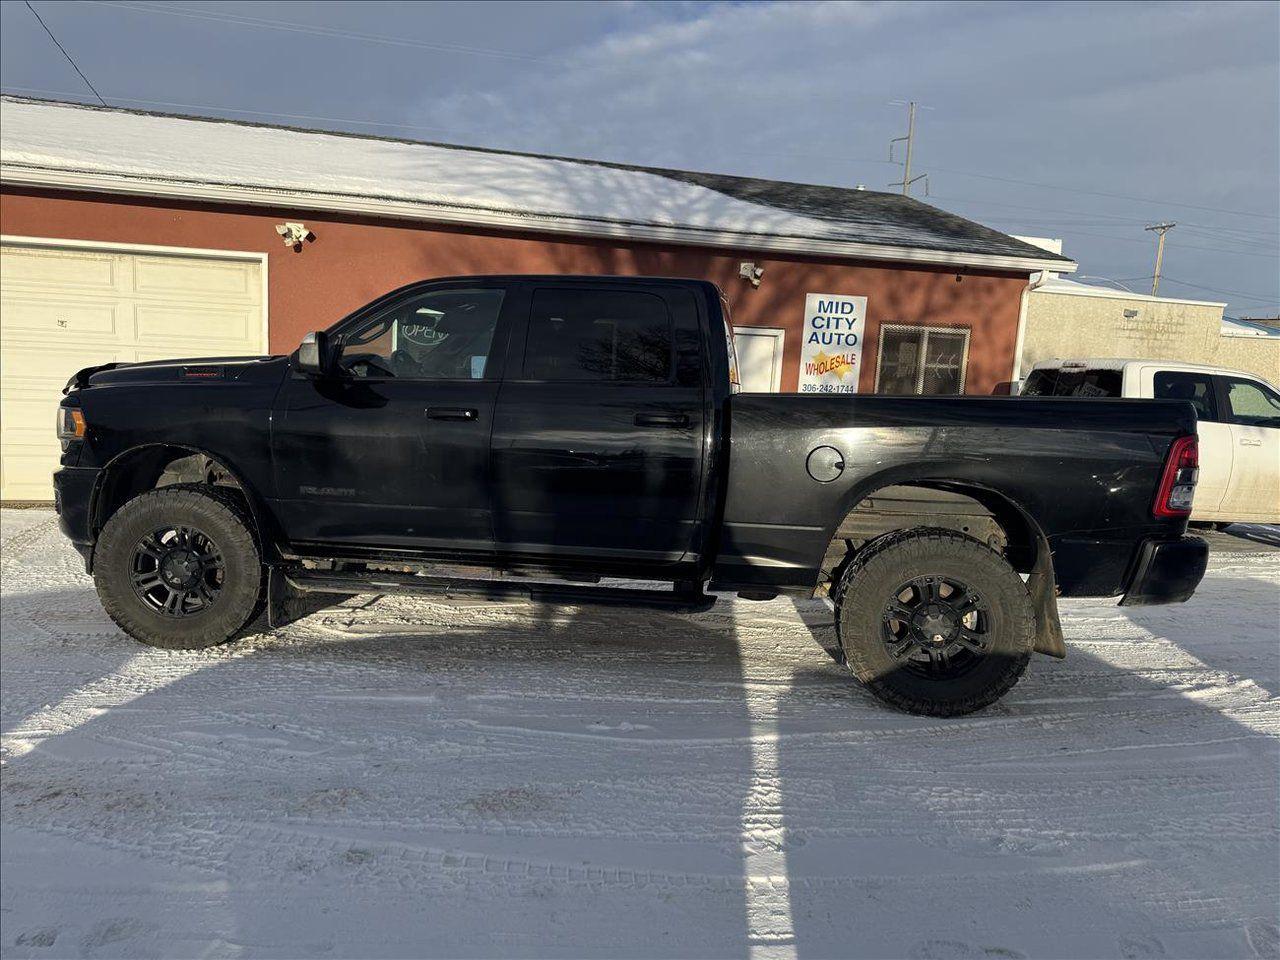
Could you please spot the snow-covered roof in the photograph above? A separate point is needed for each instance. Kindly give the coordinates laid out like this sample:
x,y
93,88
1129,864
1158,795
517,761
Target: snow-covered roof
x,y
1077,289
74,146
1244,328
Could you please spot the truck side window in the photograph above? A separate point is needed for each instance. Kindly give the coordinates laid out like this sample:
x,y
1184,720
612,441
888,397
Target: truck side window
x,y
617,335
1182,385
1252,404
433,335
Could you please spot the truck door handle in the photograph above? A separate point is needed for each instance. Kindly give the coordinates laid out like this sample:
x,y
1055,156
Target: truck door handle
x,y
452,413
662,420
1250,442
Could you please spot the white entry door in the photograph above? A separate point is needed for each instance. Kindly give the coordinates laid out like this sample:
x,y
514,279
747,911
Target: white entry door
x,y
759,352
64,307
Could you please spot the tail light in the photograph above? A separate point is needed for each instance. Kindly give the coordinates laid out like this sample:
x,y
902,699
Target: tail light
x,y
1178,482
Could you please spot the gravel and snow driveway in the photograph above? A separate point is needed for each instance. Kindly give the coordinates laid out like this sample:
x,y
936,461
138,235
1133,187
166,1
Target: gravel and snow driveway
x,y
407,777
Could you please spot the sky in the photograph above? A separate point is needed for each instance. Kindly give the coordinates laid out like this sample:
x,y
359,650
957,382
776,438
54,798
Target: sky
x,y
1080,121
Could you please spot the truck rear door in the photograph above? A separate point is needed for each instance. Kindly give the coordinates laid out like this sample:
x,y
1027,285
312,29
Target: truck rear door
x,y
598,434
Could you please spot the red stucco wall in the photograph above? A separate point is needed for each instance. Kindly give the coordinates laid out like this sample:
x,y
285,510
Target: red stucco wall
x,y
353,260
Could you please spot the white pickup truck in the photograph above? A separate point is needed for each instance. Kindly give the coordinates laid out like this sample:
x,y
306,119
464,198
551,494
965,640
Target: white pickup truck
x,y
1239,424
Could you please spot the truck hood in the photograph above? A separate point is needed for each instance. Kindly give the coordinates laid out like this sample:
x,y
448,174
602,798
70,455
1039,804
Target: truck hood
x,y
193,369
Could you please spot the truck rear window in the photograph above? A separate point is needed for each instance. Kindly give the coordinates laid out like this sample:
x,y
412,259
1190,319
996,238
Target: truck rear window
x,y
586,334
1072,382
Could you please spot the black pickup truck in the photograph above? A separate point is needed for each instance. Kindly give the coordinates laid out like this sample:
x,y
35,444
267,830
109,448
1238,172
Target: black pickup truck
x,y
532,436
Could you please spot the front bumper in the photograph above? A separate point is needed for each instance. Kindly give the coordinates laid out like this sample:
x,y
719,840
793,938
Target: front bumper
x,y
72,499
1166,571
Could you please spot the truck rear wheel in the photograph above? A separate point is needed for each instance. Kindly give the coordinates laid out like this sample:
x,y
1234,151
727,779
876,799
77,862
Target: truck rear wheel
x,y
179,568
934,622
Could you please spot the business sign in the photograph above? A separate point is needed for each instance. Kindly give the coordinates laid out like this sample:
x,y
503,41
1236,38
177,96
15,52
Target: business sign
x,y
424,332
831,350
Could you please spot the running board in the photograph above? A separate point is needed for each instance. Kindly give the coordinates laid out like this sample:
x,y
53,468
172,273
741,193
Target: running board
x,y
320,581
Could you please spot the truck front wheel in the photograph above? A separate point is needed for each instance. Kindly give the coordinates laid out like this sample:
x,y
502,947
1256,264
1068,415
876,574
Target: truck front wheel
x,y
179,568
934,622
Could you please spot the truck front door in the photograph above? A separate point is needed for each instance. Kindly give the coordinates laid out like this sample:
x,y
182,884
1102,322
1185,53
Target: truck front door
x,y
599,437
392,449
1216,450
1253,410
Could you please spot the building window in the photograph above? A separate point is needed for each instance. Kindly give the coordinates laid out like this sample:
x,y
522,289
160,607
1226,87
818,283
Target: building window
x,y
921,360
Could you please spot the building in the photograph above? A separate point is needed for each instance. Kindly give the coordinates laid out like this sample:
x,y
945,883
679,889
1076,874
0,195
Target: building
x,y
1067,319
135,236
1250,327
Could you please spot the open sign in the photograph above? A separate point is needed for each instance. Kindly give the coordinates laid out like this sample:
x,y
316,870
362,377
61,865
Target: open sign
x,y
423,332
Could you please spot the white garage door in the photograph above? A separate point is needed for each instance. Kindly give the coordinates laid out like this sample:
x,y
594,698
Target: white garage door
x,y
63,308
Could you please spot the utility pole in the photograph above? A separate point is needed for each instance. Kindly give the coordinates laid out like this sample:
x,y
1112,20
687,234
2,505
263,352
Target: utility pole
x,y
1161,229
910,138
911,142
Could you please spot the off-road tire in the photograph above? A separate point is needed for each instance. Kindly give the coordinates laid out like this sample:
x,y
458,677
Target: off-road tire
x,y
869,581
219,514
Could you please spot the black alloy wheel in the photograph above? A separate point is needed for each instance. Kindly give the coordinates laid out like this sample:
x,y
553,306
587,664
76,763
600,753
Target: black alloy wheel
x,y
179,567
933,621
936,627
178,571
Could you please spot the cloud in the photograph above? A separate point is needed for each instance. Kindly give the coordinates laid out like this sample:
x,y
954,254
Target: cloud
x,y
1176,101
1179,101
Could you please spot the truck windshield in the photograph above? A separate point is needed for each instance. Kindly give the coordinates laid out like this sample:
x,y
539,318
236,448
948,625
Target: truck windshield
x,y
1072,382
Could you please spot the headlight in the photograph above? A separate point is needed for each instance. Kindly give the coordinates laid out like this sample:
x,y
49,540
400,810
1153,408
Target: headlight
x,y
70,424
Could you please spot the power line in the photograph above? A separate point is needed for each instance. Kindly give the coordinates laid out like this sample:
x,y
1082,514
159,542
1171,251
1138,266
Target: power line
x,y
1253,240
1121,220
74,66
316,30
333,32
1022,206
1181,246
1111,196
1234,234
1183,283
1118,283
447,131
1230,293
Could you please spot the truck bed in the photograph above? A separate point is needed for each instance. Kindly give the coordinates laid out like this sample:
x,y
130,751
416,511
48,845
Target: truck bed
x,y
1085,472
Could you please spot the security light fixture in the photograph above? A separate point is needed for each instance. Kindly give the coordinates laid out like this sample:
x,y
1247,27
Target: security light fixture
x,y
294,234
749,271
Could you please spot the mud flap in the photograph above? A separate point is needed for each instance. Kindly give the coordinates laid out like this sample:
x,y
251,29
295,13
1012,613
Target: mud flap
x,y
1043,588
286,605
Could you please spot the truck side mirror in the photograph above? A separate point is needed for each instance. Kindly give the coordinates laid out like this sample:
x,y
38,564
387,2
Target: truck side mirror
x,y
314,354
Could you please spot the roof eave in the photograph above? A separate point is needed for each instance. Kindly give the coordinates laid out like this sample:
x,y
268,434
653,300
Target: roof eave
x,y
1102,293
97,182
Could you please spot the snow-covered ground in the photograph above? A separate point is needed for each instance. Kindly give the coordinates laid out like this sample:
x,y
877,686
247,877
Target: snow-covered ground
x,y
408,777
